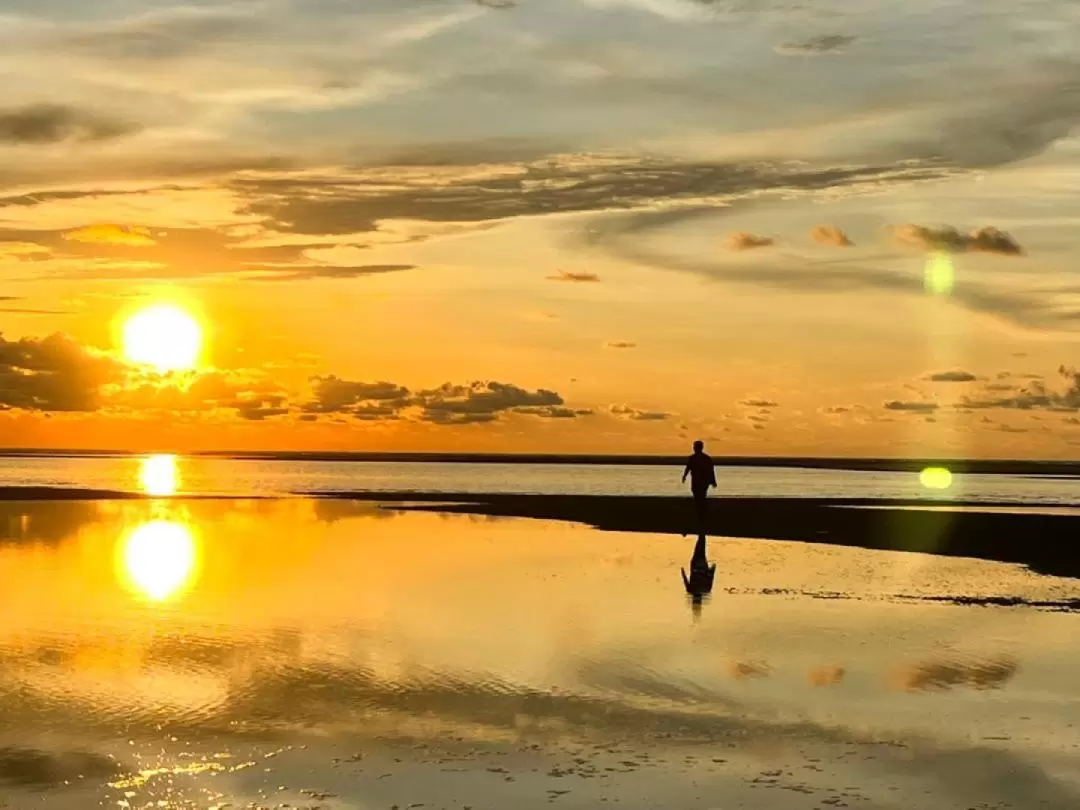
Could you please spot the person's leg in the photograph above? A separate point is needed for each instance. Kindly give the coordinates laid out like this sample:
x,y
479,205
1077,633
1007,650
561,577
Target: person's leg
x,y
699,560
699,507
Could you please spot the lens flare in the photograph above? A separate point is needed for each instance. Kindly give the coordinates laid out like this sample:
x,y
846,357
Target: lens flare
x,y
936,478
159,559
940,277
158,477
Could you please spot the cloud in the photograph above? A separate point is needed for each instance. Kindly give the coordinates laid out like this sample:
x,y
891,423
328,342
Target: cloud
x,y
554,412
324,271
826,43
55,373
950,240
742,670
760,403
449,404
111,235
741,240
636,415
480,401
619,344
830,235
55,123
956,376
627,237
1036,395
827,676
573,277
363,400
939,676
912,407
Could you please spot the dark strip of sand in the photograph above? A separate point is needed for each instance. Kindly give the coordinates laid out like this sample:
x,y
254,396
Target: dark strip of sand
x,y
1046,543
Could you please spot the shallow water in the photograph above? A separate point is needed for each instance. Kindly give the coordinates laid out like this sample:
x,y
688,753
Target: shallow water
x,y
338,655
178,475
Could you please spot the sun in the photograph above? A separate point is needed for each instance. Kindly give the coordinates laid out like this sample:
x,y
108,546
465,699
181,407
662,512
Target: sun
x,y
164,337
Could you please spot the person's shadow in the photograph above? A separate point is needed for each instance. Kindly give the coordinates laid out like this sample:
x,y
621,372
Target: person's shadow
x,y
700,582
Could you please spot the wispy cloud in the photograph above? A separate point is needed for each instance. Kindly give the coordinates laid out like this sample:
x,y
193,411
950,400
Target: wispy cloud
x,y
574,277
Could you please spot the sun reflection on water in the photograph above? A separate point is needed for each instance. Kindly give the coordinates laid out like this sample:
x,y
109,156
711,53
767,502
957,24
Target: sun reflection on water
x,y
159,559
158,476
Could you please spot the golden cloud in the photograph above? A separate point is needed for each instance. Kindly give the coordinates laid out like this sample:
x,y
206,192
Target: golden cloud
x,y
830,235
112,235
741,240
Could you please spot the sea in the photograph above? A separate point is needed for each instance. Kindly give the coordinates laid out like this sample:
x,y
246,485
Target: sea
x,y
168,475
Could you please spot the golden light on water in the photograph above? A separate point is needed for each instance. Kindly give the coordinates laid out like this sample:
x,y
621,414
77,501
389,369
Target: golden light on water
x,y
159,559
158,477
164,337
936,478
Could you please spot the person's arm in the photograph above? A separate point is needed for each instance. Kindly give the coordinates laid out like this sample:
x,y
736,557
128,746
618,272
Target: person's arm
x,y
686,472
712,475
685,581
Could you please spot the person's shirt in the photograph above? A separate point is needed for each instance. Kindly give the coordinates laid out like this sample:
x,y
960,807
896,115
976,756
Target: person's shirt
x,y
702,473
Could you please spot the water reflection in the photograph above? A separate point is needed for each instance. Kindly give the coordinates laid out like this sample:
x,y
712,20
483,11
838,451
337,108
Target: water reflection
x,y
158,475
159,559
288,615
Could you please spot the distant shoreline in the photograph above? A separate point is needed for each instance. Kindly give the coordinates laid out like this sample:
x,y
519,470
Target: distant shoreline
x,y
976,466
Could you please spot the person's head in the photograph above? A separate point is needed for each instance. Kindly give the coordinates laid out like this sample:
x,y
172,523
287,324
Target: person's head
x,y
699,446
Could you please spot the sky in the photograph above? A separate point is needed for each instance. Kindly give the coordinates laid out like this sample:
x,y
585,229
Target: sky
x,y
596,226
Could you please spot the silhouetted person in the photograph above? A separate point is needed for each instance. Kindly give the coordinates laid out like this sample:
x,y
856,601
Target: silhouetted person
x,y
702,476
699,583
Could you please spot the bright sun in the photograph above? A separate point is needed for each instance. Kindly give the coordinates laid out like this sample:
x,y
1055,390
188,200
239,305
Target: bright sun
x,y
164,337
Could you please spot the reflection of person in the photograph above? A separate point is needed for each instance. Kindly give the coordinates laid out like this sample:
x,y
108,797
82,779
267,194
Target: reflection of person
x,y
700,582
702,476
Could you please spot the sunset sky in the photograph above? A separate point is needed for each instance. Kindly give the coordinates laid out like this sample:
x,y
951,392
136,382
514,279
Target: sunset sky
x,y
838,228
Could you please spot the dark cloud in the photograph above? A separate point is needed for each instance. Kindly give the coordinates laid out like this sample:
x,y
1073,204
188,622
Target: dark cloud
x,y
555,412
637,415
55,373
619,344
826,43
334,395
759,403
55,123
912,407
949,239
250,396
356,201
454,403
449,404
1036,395
741,240
830,235
574,277
952,376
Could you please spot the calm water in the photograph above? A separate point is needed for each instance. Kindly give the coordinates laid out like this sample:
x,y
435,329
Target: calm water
x,y
166,475
297,653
